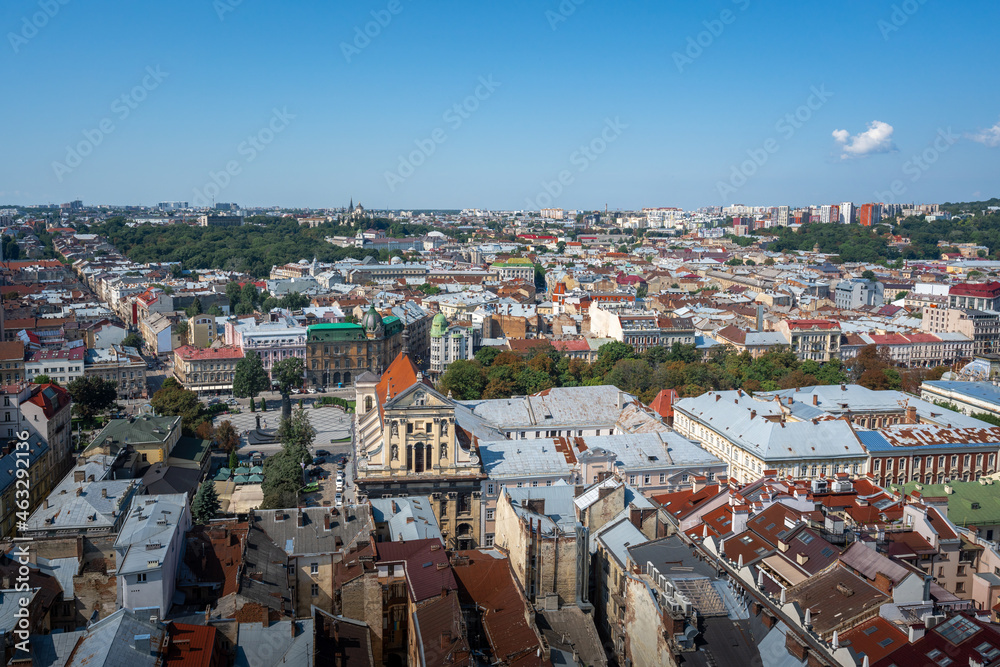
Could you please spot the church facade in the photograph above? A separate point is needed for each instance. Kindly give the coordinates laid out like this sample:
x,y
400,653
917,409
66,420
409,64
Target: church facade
x,y
408,443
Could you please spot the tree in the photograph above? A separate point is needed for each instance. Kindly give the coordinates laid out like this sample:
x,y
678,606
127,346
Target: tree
x,y
250,378
486,355
174,400
283,471
465,380
233,293
133,340
869,275
205,430
227,437
206,503
769,261
44,379
263,404
92,395
287,373
182,330
194,308
234,461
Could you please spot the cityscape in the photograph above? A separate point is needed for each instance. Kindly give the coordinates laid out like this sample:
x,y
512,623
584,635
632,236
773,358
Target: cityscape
x,y
537,335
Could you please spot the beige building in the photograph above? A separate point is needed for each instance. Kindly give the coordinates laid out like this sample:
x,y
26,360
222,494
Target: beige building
x,y
206,371
818,340
408,443
152,438
201,330
12,362
121,365
546,545
983,327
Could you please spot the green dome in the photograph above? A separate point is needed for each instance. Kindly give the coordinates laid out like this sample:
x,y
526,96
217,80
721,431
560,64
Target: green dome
x,y
439,325
372,321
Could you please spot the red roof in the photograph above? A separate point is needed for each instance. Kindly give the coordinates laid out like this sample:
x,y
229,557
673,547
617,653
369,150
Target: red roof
x,y
577,345
876,638
50,398
423,558
981,290
398,377
192,353
486,582
663,404
190,645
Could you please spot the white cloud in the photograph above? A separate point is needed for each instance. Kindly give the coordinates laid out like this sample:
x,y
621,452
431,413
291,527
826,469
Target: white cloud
x,y
876,139
988,137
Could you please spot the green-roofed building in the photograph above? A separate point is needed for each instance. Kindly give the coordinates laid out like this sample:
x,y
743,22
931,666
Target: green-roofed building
x,y
969,503
337,353
153,438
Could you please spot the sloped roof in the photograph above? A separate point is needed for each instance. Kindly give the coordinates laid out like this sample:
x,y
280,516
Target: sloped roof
x,y
485,580
422,558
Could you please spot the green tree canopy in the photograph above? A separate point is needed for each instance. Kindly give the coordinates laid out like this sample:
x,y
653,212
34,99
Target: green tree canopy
x,y
132,340
250,378
206,503
92,395
465,380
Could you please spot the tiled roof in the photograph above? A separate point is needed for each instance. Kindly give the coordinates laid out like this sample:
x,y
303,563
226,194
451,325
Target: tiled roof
x,y
192,353
423,558
485,581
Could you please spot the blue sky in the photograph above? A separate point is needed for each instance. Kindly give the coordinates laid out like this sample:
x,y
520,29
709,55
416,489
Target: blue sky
x,y
262,103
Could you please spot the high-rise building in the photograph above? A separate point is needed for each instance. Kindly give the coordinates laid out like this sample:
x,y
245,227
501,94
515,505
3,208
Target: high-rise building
x,y
846,213
783,212
870,214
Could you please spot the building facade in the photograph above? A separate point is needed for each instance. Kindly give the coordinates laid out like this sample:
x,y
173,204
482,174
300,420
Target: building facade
x,y
450,343
336,354
206,371
408,443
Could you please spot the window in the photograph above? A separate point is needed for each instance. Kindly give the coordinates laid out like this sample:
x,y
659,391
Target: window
x,y
645,480
489,489
314,568
140,578
631,480
488,541
534,482
314,590
663,478
490,514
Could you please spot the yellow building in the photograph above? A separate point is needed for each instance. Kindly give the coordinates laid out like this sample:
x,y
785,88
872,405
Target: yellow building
x,y
152,438
201,330
408,443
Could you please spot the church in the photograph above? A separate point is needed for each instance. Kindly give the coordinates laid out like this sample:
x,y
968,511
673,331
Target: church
x,y
408,444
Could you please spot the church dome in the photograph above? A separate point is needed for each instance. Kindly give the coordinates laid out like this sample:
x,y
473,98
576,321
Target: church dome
x,y
372,321
439,325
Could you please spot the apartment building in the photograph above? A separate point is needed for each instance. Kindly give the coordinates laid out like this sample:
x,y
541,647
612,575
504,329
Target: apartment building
x,y
206,371
818,340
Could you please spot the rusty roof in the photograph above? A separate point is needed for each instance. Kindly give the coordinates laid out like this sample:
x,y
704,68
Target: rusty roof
x,y
486,581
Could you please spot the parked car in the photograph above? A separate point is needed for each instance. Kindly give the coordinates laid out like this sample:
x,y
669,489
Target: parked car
x,y
340,485
318,460
322,452
311,390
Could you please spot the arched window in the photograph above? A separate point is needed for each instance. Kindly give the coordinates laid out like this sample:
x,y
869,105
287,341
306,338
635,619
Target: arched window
x,y
368,403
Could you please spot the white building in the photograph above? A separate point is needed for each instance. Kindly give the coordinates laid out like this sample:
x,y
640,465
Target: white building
x,y
847,213
149,550
449,343
62,366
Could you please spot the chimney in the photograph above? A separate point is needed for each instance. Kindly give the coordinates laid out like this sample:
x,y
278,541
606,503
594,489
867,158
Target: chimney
x,y
815,399
141,644
104,492
46,503
911,414
79,476
326,521
790,400
753,413
917,631
300,518
79,490
717,397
